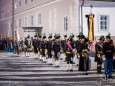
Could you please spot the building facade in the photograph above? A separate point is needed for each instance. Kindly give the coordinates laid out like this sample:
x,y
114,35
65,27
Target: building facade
x,y
56,16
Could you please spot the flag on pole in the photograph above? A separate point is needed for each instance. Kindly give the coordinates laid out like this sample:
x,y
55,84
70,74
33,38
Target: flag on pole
x,y
17,34
90,21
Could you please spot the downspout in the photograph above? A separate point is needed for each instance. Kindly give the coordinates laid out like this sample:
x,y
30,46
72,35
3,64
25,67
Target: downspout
x,y
82,16
13,19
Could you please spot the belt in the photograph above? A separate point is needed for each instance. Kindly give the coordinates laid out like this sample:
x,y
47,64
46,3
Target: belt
x,y
99,51
68,52
108,51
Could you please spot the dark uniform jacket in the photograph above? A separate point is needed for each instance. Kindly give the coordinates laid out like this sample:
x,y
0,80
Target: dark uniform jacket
x,y
99,51
49,47
108,49
64,46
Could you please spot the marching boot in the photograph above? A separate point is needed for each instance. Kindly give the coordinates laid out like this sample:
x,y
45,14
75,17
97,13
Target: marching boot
x,y
51,61
58,63
40,57
44,59
67,67
35,55
71,67
97,69
48,60
100,70
86,73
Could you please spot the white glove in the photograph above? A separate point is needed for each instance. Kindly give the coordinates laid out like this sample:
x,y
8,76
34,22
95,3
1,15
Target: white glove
x,y
78,57
114,58
104,59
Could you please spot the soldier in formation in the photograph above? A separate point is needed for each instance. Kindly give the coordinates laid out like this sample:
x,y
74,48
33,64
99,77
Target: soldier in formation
x,y
99,50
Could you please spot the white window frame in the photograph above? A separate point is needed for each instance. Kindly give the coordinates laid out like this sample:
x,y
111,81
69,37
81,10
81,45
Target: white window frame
x,y
15,4
26,1
15,23
39,19
107,25
26,21
20,3
65,23
32,20
20,23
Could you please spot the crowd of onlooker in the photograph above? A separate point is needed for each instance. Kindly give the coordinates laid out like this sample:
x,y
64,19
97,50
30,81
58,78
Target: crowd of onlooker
x,y
10,45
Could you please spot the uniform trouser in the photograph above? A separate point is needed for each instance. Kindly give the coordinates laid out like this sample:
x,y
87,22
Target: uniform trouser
x,y
108,66
99,67
27,52
69,58
99,64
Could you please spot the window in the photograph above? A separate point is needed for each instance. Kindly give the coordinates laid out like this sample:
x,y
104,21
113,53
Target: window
x,y
32,20
103,23
31,0
19,23
65,23
20,3
15,4
26,21
39,19
15,22
25,1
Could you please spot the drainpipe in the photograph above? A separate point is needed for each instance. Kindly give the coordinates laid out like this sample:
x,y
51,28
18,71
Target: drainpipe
x,y
13,19
82,16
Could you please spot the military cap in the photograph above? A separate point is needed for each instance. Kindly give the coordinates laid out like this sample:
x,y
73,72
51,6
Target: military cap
x,y
35,35
102,38
50,36
108,37
82,37
57,36
65,35
44,36
28,36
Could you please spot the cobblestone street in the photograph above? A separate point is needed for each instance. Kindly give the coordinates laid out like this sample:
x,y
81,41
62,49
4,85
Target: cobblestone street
x,y
21,71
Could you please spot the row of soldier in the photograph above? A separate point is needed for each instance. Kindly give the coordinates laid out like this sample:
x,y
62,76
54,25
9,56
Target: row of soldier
x,y
69,48
56,47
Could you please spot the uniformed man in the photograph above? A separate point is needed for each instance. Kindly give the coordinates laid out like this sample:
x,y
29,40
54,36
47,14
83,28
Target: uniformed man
x,y
69,55
71,38
39,47
84,55
77,44
43,48
27,46
35,46
49,49
108,51
99,50
57,48
64,47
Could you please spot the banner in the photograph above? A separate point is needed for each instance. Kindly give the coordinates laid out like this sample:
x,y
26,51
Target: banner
x,y
90,21
17,36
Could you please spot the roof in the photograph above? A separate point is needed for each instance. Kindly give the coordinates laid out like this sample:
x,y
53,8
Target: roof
x,y
98,3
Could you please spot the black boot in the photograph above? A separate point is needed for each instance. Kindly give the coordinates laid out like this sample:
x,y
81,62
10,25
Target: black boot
x,y
98,70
